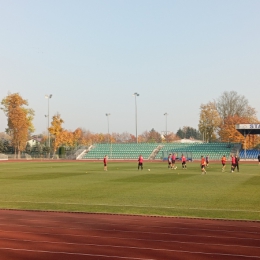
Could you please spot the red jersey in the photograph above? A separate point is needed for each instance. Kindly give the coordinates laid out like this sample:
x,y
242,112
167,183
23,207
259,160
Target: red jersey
x,y
203,161
223,159
105,160
183,158
140,159
233,160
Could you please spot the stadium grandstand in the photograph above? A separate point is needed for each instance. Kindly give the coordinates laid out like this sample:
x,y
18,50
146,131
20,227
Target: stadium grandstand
x,y
160,151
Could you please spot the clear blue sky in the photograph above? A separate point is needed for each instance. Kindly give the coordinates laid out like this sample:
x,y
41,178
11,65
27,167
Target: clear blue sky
x,y
93,55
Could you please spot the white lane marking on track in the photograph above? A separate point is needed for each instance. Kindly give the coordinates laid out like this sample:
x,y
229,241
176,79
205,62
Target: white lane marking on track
x,y
89,222
126,231
128,238
75,253
123,257
133,206
153,218
129,247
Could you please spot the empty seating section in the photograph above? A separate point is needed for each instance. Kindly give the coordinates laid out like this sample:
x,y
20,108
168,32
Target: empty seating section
x,y
214,150
131,151
121,151
249,154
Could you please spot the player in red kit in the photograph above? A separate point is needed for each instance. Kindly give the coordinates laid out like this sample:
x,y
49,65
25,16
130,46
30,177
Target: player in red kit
x,y
203,164
223,161
140,162
233,163
173,161
105,162
183,162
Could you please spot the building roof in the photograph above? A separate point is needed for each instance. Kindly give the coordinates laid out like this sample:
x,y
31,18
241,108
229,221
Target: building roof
x,y
245,129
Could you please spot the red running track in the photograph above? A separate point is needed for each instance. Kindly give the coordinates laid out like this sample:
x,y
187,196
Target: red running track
x,y
54,235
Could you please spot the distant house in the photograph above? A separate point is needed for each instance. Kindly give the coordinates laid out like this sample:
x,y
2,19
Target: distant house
x,y
34,140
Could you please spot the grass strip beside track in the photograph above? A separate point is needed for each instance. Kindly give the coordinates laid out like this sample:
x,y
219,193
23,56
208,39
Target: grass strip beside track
x,y
85,187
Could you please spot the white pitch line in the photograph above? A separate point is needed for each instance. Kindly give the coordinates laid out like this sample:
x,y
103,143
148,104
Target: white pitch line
x,y
135,206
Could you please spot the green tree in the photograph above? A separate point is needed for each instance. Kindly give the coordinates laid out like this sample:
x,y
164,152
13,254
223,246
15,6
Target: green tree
x,y
189,132
1,146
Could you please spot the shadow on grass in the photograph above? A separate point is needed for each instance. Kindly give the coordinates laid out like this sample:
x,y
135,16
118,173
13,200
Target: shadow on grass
x,y
155,178
42,176
253,181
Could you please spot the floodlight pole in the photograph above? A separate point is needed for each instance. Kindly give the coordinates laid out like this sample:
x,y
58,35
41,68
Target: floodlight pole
x,y
136,95
245,145
166,114
49,139
107,115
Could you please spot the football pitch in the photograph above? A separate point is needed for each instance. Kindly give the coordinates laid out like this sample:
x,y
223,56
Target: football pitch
x,y
86,187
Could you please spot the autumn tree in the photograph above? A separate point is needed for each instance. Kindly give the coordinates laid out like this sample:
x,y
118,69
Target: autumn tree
x,y
57,131
86,138
77,137
231,104
209,121
19,120
124,137
234,109
228,132
150,137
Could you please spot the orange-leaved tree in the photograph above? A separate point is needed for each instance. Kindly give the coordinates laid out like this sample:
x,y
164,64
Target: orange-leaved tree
x,y
19,120
57,131
228,132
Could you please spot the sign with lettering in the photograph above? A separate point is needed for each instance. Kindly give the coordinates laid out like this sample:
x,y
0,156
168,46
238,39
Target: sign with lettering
x,y
248,126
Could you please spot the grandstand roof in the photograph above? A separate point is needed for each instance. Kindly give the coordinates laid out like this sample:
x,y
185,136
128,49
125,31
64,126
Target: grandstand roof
x,y
245,129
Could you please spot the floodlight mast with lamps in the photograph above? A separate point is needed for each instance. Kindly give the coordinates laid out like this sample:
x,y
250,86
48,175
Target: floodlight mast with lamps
x,y
48,97
166,114
136,95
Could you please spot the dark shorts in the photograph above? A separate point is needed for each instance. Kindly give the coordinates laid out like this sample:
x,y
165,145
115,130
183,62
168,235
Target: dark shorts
x,y
140,164
105,164
233,165
223,164
173,161
202,166
169,162
183,163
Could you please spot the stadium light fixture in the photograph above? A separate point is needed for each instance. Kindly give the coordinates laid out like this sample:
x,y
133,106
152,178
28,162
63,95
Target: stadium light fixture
x,y
136,95
49,140
166,114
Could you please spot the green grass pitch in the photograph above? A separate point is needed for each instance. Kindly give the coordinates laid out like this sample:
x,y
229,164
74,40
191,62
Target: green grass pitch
x,y
86,187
